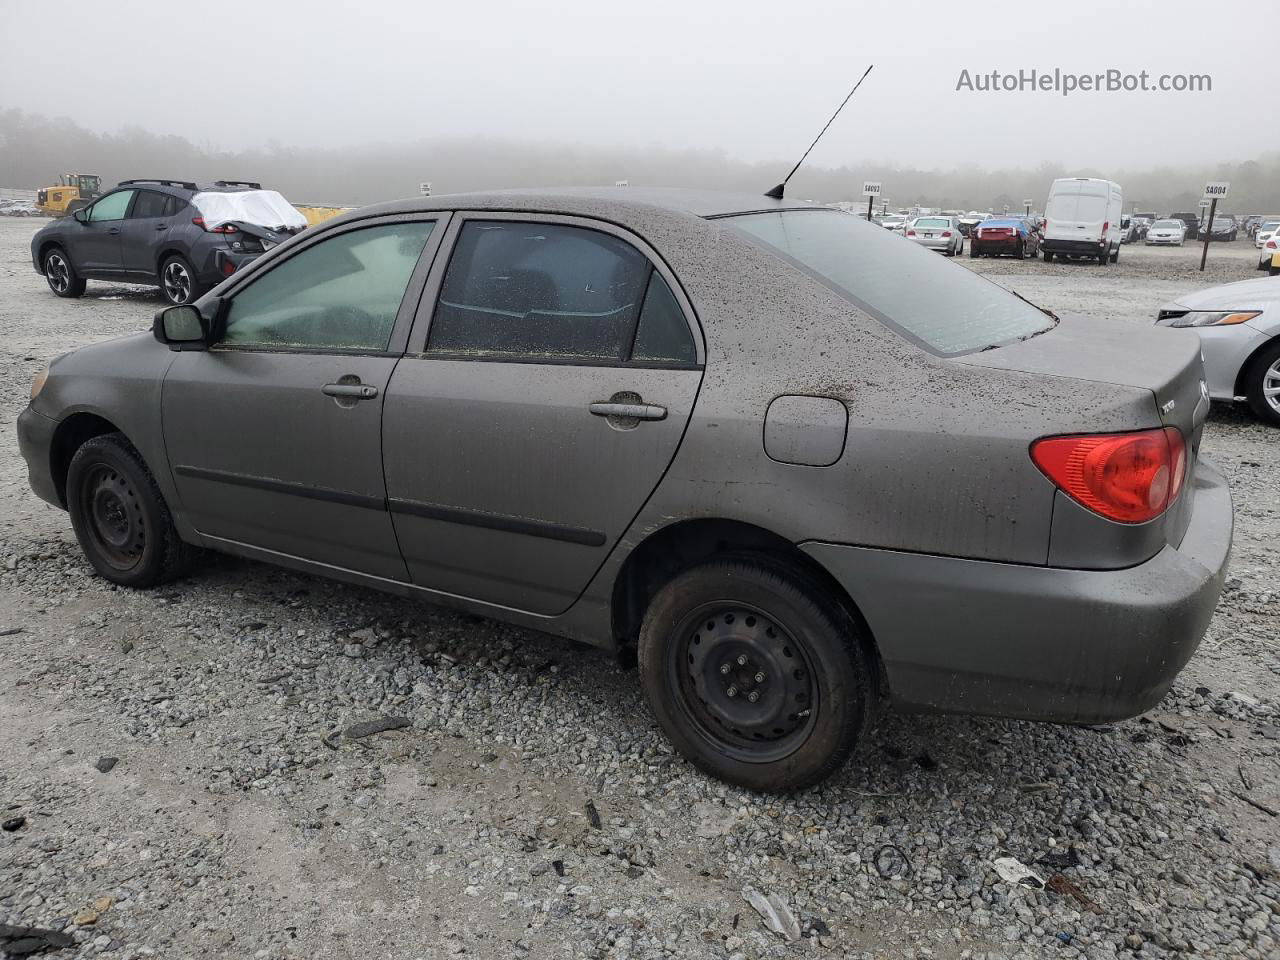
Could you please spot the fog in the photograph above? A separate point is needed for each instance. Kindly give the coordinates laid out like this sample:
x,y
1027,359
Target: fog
x,y
359,102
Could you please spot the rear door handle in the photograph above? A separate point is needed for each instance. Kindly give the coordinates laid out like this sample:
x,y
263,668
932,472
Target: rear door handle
x,y
114,232
636,411
162,226
350,391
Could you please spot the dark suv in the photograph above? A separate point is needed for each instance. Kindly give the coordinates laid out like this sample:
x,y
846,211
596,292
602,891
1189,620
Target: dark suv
x,y
175,234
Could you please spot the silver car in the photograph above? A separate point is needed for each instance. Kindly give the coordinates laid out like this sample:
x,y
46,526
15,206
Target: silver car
x,y
937,233
789,464
1239,327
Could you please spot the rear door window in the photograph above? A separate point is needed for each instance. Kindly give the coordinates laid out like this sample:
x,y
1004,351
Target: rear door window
x,y
149,205
341,294
521,290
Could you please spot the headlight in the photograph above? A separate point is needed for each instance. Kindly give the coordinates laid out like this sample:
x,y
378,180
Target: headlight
x,y
38,383
1223,319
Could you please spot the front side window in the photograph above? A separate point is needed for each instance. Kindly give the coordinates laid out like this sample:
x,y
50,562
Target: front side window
x,y
112,206
342,293
945,308
539,290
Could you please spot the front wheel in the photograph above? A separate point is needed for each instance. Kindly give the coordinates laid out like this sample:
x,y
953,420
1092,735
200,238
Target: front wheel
x,y
61,275
1262,383
755,676
120,517
178,281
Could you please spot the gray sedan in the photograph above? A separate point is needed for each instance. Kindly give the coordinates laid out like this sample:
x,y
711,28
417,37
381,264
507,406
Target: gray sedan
x,y
1239,328
792,465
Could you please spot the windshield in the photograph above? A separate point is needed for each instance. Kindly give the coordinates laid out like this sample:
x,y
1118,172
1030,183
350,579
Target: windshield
x,y
265,208
939,305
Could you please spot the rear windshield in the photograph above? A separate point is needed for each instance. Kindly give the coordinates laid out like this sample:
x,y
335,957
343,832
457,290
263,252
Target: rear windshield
x,y
933,222
1167,224
937,304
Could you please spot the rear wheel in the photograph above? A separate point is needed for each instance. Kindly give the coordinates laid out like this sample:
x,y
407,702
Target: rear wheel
x,y
178,281
61,275
755,676
1115,255
120,517
973,252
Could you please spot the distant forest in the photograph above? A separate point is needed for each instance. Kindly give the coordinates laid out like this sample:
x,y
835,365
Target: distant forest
x,y
35,149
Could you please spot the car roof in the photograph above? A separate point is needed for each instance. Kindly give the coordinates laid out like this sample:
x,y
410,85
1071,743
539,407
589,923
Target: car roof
x,y
603,200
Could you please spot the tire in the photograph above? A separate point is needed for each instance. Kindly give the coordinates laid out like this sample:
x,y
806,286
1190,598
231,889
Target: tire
x,y
178,281
61,275
1273,271
1263,373
1103,258
1048,255
1115,255
973,252
709,637
120,517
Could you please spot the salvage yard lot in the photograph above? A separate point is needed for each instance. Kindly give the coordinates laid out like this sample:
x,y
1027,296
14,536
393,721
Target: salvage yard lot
x,y
530,807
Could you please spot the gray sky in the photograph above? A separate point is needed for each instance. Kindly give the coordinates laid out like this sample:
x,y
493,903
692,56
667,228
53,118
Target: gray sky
x,y
752,78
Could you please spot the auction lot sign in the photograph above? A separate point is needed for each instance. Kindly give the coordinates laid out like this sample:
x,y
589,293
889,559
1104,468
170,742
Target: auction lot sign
x,y
1214,191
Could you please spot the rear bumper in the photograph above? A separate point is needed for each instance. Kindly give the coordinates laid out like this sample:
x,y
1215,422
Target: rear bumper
x,y
1074,248
994,246
213,269
1041,643
35,443
934,243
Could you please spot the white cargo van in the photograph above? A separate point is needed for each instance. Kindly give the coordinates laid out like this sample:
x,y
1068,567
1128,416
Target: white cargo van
x,y
1083,219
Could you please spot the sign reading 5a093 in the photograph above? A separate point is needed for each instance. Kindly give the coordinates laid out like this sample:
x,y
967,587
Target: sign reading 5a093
x,y
1216,190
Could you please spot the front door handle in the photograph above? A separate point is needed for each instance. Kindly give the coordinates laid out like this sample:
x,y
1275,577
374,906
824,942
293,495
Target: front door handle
x,y
350,391
634,411
162,226
114,232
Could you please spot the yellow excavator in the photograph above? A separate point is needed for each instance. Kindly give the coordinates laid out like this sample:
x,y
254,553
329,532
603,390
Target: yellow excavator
x,y
73,191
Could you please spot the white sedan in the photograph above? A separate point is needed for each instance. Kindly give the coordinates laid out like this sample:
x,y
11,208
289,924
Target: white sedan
x,y
1269,255
1239,328
1167,232
1266,230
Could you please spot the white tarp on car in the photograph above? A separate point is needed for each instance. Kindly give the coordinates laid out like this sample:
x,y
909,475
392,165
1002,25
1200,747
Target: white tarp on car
x,y
266,208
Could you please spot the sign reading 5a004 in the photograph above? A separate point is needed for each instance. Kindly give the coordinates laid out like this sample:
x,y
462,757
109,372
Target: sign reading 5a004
x,y
1216,190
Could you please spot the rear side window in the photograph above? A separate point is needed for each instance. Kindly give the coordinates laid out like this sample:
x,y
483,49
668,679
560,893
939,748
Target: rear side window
x,y
539,290
941,306
149,204
112,206
662,335
343,293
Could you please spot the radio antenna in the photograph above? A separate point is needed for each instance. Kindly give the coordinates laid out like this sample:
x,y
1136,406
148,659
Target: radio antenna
x,y
776,192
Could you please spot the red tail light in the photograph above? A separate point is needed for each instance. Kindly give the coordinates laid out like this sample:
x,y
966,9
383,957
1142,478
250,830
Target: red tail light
x,y
911,233
1106,225
1127,477
946,233
228,268
224,228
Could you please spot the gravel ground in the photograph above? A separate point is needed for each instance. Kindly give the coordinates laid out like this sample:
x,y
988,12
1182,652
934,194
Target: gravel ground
x,y
526,805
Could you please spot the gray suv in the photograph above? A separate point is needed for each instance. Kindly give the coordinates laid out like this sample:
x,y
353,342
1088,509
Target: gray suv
x,y
795,466
180,236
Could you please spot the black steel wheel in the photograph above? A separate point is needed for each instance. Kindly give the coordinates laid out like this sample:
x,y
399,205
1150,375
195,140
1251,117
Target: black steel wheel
x,y
120,517
61,275
755,674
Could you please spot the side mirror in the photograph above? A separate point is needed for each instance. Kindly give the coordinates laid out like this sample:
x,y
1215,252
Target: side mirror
x,y
81,215
182,328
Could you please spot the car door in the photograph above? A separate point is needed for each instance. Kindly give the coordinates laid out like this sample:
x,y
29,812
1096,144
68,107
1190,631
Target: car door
x,y
274,434
144,230
95,243
545,391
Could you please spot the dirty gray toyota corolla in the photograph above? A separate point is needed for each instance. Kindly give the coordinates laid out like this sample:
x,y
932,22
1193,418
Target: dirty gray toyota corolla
x,y
794,462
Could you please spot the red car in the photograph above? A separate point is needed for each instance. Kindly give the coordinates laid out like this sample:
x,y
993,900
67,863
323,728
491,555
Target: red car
x,y
1004,236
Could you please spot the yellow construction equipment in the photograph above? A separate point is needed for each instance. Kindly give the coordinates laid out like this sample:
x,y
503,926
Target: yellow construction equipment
x,y
73,191
319,214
